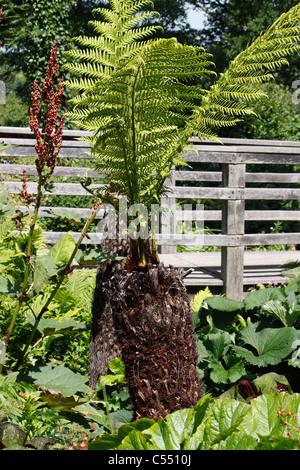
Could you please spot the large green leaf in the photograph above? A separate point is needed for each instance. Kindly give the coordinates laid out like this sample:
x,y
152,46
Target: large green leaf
x,y
225,418
60,379
94,257
63,249
222,311
271,344
263,418
113,441
218,343
276,308
50,326
268,383
232,370
169,434
45,268
258,298
136,440
223,304
237,440
11,436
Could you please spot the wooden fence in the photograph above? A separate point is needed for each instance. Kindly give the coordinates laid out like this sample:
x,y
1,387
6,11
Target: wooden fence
x,y
218,172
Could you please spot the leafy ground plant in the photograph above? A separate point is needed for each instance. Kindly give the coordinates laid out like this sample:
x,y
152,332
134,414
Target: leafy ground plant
x,y
27,269
55,406
243,340
268,422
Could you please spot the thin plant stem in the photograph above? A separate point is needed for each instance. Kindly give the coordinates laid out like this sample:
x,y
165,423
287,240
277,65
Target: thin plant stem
x,y
22,294
55,289
107,410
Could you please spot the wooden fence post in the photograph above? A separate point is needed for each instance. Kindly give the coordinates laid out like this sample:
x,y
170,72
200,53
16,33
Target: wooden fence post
x,y
168,218
233,223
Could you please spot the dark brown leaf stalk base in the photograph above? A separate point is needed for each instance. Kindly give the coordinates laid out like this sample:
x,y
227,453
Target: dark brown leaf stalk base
x,y
150,323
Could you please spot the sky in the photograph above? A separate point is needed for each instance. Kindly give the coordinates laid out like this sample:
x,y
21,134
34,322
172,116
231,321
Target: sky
x,y
195,17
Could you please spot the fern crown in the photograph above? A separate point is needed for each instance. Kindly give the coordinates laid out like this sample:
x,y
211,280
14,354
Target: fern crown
x,y
140,99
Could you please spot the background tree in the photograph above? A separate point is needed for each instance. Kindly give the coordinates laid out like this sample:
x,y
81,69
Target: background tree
x,y
230,26
30,28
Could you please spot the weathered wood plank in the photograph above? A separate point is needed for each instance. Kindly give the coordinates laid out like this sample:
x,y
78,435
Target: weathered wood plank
x,y
63,171
230,240
194,176
201,240
59,189
249,215
30,143
46,211
291,156
233,223
192,215
69,133
66,152
288,178
214,176
247,149
235,193
249,142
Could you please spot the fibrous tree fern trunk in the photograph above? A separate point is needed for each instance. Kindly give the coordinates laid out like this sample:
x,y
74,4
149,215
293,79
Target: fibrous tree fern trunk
x,y
145,316
155,330
104,343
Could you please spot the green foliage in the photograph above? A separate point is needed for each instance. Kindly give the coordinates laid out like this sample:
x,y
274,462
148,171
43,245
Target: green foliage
x,y
134,99
276,116
232,25
38,411
240,85
271,344
60,379
29,30
138,95
238,340
267,422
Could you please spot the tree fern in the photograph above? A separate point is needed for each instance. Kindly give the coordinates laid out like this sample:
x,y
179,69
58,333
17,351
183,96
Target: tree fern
x,y
136,113
138,96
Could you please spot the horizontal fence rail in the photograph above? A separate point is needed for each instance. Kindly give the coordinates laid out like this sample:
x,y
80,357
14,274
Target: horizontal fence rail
x,y
232,173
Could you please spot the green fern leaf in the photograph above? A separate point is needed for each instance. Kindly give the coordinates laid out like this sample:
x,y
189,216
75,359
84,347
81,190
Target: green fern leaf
x,y
240,83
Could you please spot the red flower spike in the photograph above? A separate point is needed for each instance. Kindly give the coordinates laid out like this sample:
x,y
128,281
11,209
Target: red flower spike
x,y
26,198
46,128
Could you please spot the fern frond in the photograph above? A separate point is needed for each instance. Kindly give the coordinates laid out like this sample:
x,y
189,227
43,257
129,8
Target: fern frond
x,y
137,95
240,83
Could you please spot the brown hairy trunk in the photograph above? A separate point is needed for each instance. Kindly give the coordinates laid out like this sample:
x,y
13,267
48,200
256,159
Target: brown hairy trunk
x,y
146,318
155,330
141,312
104,344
